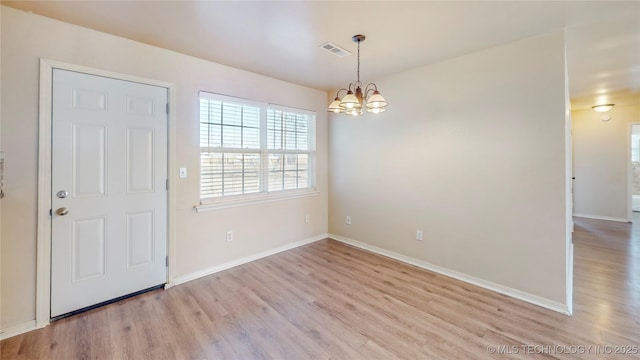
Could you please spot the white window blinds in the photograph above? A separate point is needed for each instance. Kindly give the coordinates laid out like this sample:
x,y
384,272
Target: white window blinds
x,y
288,143
249,148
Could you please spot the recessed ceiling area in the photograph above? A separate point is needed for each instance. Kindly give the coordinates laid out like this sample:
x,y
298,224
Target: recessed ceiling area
x,y
283,39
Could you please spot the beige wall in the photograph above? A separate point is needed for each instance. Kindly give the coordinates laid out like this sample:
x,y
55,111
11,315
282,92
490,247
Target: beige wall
x,y
200,236
600,162
472,152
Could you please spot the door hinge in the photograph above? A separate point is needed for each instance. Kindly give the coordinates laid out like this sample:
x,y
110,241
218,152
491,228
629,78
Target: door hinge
x,y
167,108
167,261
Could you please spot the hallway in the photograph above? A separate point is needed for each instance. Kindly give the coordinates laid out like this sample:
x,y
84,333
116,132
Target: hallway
x,y
607,277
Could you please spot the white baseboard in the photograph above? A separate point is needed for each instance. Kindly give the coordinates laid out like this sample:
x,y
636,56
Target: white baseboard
x,y
247,259
602,217
14,330
505,290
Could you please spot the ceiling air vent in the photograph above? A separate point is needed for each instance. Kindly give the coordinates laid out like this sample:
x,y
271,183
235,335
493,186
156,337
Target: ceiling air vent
x,y
335,49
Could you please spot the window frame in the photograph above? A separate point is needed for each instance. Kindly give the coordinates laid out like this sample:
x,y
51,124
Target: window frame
x,y
263,194
635,147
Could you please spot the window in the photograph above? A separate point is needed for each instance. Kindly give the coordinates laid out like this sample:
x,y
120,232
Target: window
x,y
253,148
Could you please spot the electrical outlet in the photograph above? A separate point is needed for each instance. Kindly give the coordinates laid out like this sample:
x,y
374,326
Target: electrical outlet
x,y
306,219
183,173
348,220
419,235
229,235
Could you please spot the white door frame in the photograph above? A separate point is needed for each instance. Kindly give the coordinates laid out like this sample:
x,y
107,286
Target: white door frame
x,y
43,238
629,172
568,164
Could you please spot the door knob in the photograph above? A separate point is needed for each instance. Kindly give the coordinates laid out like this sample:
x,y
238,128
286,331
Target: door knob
x,y
62,211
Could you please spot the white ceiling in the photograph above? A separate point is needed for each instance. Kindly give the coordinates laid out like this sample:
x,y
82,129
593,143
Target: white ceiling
x,y
282,39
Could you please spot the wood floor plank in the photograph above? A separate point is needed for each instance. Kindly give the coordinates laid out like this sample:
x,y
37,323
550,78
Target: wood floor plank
x,y
328,300
341,341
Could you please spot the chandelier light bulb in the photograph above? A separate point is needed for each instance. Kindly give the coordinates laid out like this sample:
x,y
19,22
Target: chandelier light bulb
x,y
349,105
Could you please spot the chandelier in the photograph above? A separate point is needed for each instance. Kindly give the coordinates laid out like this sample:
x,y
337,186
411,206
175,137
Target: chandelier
x,y
355,101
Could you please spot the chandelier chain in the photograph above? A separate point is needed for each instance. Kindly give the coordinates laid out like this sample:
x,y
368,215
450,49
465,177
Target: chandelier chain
x,y
358,62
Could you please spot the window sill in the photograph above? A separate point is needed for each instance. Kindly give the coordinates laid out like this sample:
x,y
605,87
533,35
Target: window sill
x,y
253,199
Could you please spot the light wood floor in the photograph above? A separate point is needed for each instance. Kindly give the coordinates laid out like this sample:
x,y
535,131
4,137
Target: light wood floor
x,y
331,301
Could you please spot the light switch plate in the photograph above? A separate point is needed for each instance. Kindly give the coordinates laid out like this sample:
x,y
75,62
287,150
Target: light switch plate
x,y
183,173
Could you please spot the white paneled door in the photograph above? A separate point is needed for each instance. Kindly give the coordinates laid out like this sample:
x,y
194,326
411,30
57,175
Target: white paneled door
x,y
109,197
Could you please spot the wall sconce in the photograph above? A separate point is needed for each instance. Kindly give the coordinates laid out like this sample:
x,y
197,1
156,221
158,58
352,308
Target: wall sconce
x,y
603,108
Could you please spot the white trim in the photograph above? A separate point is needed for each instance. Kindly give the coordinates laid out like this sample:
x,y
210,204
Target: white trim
x,y
514,293
289,109
243,200
173,181
630,172
15,330
230,99
568,181
247,259
43,237
569,279
598,217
